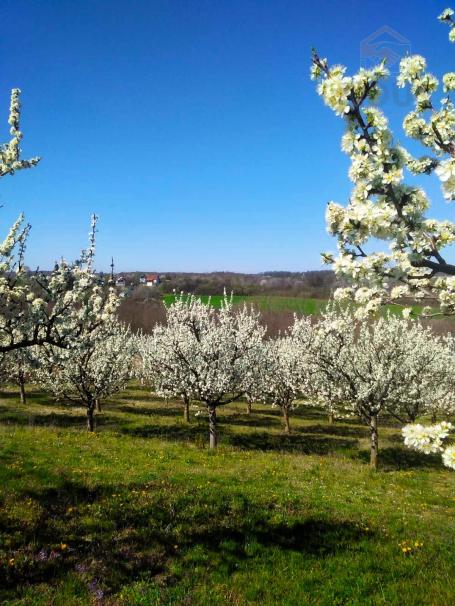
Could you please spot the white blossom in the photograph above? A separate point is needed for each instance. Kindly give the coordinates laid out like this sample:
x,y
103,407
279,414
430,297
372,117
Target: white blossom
x,y
205,352
382,206
287,368
448,457
427,439
95,367
368,368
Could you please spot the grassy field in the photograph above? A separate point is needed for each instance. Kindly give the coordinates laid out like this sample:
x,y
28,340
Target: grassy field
x,y
301,305
142,513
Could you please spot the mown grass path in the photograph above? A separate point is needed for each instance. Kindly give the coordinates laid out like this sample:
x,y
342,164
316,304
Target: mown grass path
x,y
142,513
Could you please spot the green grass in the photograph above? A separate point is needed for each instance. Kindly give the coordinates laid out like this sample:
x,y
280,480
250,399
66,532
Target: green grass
x,y
301,305
141,513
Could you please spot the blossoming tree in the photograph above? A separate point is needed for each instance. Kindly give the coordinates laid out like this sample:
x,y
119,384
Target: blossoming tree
x,y
56,307
429,384
97,366
368,363
161,366
50,307
287,367
19,367
213,349
382,206
440,401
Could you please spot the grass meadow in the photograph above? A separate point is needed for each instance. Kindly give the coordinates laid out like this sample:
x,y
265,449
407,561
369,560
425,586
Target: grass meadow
x,y
301,305
141,513
308,306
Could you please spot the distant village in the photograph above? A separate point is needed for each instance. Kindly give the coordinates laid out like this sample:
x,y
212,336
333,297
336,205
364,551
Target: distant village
x,y
151,280
310,283
126,283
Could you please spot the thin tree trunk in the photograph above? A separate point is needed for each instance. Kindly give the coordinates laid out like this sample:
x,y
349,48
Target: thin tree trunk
x,y
22,389
248,407
374,442
331,418
90,410
186,409
212,427
287,427
434,417
98,405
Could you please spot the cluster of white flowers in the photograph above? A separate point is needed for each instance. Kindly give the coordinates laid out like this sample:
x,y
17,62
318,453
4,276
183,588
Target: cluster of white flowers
x,y
391,366
447,17
429,439
10,160
446,172
351,367
60,325
37,308
19,367
284,368
202,353
381,205
448,457
426,438
95,367
52,307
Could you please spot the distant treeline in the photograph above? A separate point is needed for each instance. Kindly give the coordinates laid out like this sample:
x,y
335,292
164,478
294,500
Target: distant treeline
x,y
317,284
142,308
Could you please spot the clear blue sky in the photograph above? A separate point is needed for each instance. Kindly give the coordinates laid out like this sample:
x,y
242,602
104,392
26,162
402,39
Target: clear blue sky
x,y
190,127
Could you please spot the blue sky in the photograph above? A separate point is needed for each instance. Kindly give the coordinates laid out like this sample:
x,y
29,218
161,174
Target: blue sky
x,y
190,127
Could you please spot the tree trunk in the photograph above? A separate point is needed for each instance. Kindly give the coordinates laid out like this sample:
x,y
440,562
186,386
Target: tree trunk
x,y
374,442
186,409
287,428
90,410
22,389
331,418
98,405
434,417
212,427
248,407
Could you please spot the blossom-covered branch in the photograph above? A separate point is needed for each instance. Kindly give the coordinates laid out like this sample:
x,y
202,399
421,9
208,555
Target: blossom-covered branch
x,y
10,160
381,205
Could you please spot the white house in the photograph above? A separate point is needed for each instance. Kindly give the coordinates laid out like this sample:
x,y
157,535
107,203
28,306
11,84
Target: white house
x,y
152,279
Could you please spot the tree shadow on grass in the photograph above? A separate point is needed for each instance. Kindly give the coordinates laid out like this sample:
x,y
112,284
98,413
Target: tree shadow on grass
x,y
301,412
294,442
263,441
182,432
395,458
113,537
142,398
312,536
167,411
94,547
15,395
45,420
244,420
75,418
343,430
